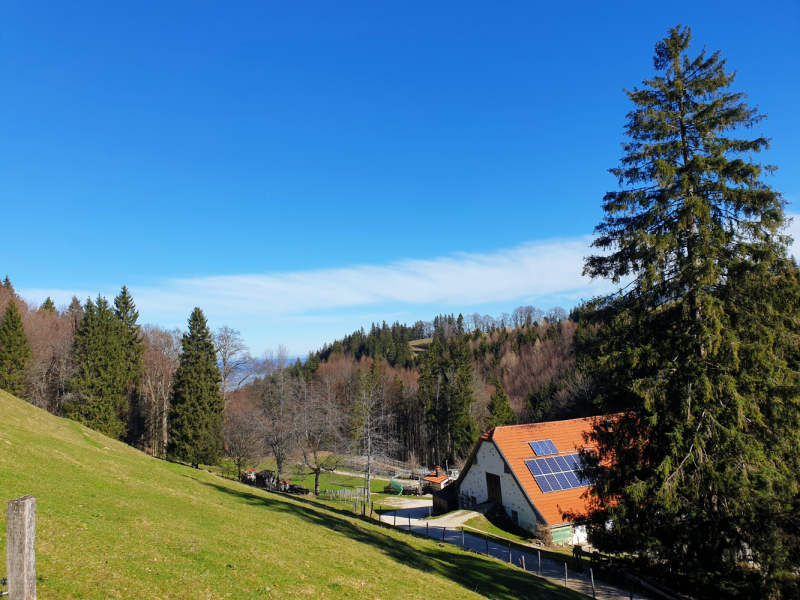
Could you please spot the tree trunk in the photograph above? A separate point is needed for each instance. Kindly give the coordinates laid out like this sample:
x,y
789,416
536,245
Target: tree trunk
x,y
317,475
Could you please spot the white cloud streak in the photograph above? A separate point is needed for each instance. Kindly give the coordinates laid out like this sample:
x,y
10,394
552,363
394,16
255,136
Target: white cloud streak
x,y
307,308
547,271
534,270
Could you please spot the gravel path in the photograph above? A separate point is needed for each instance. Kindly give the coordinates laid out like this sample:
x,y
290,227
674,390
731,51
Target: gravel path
x,y
411,518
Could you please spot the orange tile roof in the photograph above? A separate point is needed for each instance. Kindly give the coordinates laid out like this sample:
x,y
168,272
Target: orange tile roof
x,y
434,479
567,436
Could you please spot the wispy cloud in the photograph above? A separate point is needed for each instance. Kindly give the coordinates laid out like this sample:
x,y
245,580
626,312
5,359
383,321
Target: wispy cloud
x,y
534,270
307,308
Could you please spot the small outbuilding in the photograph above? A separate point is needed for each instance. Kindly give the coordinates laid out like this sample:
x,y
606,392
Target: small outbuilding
x,y
437,480
532,473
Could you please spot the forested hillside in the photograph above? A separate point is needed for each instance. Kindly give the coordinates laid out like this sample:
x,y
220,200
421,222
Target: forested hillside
x,y
94,363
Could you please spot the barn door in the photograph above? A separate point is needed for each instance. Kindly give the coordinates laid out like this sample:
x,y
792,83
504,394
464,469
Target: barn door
x,y
493,487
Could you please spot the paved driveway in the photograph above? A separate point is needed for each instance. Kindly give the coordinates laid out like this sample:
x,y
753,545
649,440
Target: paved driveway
x,y
411,519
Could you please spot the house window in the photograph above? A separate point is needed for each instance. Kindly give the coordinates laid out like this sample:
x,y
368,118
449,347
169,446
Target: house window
x,y
515,517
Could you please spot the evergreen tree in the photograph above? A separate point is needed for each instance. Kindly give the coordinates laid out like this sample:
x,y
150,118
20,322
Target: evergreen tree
x,y
132,358
48,305
500,411
445,386
99,387
15,353
196,416
699,353
125,311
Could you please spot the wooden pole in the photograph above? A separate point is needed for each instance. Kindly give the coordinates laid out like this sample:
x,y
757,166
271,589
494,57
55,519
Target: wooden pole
x,y
409,521
443,530
21,548
566,582
523,563
395,518
509,552
426,527
462,537
539,570
591,574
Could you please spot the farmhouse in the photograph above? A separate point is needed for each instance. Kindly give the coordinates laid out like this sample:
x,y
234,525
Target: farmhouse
x,y
531,472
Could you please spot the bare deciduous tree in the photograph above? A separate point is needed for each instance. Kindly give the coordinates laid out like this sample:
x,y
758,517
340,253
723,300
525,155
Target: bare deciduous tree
x,y
236,363
320,430
370,421
277,394
160,359
244,440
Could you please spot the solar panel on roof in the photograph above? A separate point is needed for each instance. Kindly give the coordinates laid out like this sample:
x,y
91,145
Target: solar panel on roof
x,y
573,479
562,462
555,473
543,447
533,467
543,485
551,479
563,481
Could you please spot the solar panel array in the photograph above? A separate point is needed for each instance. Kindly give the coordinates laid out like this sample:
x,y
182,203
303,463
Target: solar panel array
x,y
543,447
556,473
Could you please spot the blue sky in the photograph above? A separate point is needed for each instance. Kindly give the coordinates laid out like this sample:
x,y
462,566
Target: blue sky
x,y
300,169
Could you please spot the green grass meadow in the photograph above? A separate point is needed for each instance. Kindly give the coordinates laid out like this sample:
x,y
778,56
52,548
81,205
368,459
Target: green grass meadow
x,y
115,523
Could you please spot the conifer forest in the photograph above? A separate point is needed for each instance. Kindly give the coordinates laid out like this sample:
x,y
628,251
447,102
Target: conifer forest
x,y
694,362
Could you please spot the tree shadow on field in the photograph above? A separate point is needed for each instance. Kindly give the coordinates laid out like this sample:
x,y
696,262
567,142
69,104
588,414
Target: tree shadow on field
x,y
476,573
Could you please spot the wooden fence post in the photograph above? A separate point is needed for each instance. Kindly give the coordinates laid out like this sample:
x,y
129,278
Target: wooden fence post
x,y
21,548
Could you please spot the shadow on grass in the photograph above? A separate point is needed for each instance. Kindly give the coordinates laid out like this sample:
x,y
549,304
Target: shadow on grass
x,y
485,576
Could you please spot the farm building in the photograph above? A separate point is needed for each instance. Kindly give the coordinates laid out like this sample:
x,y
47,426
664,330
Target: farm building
x,y
530,471
437,480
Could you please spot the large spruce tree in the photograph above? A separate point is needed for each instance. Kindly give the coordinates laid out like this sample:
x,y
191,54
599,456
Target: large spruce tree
x,y
15,352
698,471
99,388
132,358
196,416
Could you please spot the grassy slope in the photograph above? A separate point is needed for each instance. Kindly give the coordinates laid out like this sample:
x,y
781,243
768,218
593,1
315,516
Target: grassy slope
x,y
115,523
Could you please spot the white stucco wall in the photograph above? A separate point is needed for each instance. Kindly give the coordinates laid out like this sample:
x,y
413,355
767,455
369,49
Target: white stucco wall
x,y
488,460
